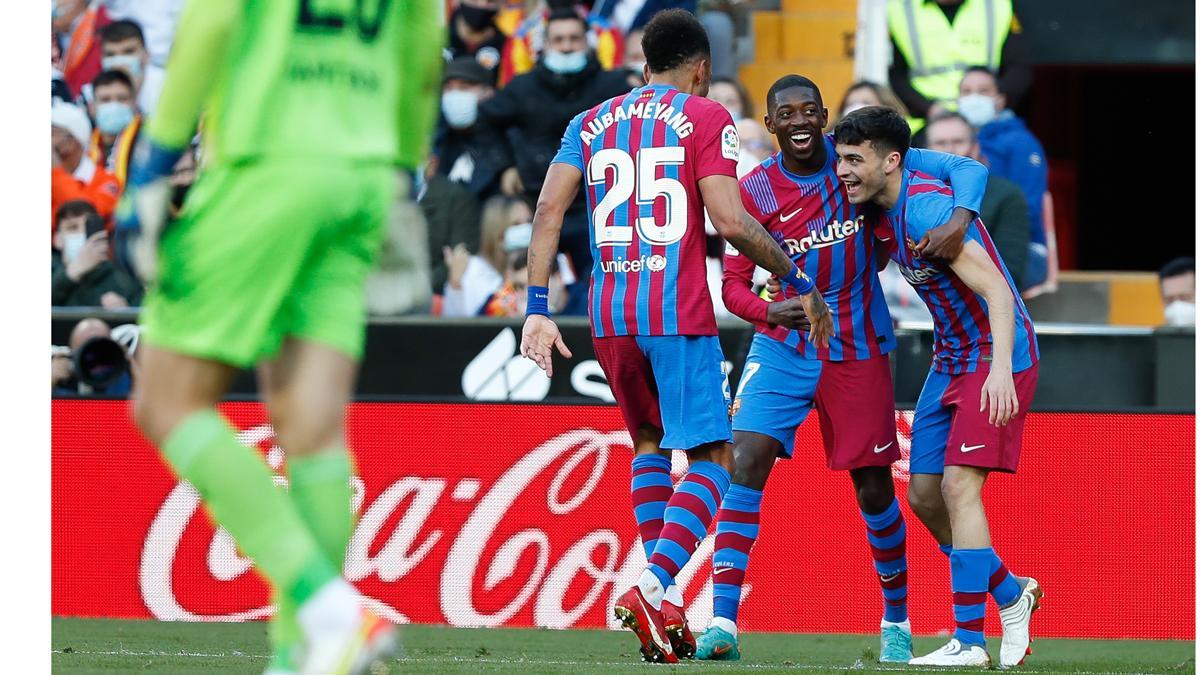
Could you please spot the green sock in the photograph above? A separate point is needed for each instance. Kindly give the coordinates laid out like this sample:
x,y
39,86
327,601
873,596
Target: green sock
x,y
319,486
239,491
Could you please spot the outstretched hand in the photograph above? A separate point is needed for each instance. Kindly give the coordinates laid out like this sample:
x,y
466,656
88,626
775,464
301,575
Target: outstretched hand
x,y
539,338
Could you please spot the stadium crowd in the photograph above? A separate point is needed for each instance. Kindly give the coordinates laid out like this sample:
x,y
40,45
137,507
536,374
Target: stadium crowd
x,y
515,75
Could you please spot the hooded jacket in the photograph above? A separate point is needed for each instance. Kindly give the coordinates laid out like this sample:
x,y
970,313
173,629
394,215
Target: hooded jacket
x,y
1014,153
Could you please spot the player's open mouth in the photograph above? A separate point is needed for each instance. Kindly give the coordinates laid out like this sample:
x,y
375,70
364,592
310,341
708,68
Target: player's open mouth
x,y
801,140
852,185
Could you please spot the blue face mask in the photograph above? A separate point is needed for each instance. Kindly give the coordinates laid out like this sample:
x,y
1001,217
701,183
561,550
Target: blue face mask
x,y
113,117
564,63
460,108
132,65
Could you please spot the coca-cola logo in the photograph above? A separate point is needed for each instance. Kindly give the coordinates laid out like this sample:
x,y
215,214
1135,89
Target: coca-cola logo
x,y
493,551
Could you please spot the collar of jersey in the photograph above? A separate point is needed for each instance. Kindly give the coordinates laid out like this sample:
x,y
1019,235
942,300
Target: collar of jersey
x,y
899,205
795,177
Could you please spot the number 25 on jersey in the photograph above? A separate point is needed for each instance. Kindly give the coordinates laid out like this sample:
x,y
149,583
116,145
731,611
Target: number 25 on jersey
x,y
649,188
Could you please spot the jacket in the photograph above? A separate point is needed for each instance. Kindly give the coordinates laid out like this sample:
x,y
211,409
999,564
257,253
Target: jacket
x,y
105,277
533,111
1014,153
102,191
1007,222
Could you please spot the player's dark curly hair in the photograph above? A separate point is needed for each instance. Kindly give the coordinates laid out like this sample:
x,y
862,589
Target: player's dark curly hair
x,y
883,127
672,38
789,81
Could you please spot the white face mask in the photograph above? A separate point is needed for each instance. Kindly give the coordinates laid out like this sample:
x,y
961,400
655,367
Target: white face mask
x,y
72,245
977,108
461,108
1181,313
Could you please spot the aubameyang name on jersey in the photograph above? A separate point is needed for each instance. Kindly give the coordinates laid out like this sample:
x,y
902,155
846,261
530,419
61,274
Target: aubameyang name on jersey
x,y
647,110
838,230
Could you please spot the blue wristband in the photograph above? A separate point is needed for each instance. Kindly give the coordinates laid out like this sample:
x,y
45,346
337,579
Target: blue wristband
x,y
538,301
799,281
152,161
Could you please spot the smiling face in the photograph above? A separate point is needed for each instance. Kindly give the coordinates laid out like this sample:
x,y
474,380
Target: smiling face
x,y
863,171
796,117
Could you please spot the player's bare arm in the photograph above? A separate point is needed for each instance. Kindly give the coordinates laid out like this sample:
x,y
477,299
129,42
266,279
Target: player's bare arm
x,y
945,241
722,199
540,333
977,271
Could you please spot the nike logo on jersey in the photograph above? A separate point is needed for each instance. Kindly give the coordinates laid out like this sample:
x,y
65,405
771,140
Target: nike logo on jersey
x,y
968,448
784,219
879,449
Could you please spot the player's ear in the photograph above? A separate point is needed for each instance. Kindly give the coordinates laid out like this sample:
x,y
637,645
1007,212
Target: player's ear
x,y
769,123
892,162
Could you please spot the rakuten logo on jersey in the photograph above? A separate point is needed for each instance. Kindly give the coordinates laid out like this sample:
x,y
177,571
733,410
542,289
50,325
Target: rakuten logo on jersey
x,y
838,230
918,276
654,263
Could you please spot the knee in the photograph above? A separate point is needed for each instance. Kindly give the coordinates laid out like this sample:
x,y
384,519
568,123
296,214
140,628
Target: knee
x,y
924,503
304,429
157,416
752,464
874,489
958,489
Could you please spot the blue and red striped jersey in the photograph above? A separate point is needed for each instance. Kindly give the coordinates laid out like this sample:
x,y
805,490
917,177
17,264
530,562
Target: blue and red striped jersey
x,y
642,156
831,242
962,333
830,239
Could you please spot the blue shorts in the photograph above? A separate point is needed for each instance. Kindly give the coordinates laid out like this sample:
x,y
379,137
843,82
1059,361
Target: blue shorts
x,y
673,383
776,391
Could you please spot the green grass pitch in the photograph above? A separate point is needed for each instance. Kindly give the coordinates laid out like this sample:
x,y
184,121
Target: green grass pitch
x,y
108,646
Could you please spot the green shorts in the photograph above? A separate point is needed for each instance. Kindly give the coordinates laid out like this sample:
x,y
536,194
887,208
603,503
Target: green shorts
x,y
267,251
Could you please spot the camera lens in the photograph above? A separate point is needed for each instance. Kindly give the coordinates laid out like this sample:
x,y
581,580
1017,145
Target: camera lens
x,y
100,362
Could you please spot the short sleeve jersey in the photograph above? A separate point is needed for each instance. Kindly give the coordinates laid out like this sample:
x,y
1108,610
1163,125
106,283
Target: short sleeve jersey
x,y
962,334
642,156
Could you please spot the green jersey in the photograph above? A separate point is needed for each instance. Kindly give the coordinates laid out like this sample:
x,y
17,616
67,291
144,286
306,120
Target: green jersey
x,y
304,79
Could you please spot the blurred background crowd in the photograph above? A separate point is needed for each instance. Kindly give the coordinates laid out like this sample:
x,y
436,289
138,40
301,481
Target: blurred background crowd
x,y
966,73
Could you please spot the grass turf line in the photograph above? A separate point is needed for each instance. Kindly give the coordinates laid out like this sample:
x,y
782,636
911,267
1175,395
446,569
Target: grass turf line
x,y
108,646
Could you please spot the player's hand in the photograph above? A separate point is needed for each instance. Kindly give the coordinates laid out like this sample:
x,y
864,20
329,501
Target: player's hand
x,y
774,286
819,317
945,241
538,339
789,314
510,182
141,215
999,397
94,252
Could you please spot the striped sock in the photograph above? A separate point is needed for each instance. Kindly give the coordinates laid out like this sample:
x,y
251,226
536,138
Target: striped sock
x,y
650,487
686,519
737,529
1001,583
886,534
969,581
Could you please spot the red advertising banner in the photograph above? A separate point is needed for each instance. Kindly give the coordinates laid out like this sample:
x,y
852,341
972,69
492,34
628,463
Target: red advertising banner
x,y
519,515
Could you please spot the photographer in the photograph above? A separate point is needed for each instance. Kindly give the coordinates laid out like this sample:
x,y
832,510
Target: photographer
x,y
99,360
81,270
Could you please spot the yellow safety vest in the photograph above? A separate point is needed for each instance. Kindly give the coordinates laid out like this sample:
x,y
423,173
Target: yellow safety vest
x,y
938,52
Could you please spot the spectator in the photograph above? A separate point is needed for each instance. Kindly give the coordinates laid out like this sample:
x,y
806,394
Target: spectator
x,y
74,175
1011,151
635,58
756,145
452,214
630,15
715,15
157,20
509,300
862,94
934,40
733,96
58,85
65,362
531,114
81,270
80,21
114,108
522,50
124,48
474,33
1003,209
472,279
1177,280
459,150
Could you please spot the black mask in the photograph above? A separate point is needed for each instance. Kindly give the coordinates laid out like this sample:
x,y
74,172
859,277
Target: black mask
x,y
477,18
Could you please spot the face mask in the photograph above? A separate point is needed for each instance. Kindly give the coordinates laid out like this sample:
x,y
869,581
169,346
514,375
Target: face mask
x,y
72,245
477,18
564,63
129,63
977,108
112,117
461,108
1181,313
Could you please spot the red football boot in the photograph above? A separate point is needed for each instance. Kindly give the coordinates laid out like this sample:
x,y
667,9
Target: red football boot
x,y
637,615
683,643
